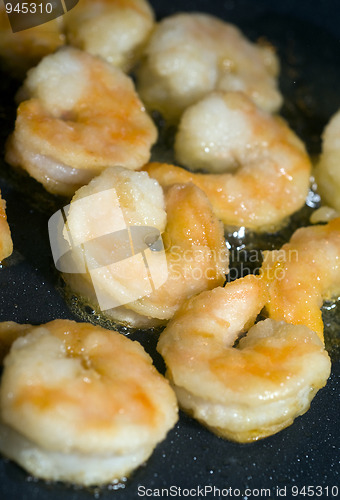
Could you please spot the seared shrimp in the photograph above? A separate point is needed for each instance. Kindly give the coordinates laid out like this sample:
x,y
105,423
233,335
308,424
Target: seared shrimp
x,y
24,49
247,392
6,244
190,55
116,30
194,256
266,168
70,409
327,172
82,115
303,274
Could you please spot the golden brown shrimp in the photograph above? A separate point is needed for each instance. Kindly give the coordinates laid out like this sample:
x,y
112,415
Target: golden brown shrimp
x,y
247,392
24,49
194,257
71,411
192,54
6,243
82,116
304,273
323,214
327,173
9,332
266,168
116,30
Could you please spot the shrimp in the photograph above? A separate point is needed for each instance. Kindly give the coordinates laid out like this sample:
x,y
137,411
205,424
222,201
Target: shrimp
x,y
71,411
116,30
247,392
323,214
24,49
327,171
190,55
193,256
6,243
266,168
82,115
9,332
304,273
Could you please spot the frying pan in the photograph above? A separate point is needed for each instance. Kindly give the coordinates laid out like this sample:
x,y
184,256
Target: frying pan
x,y
306,35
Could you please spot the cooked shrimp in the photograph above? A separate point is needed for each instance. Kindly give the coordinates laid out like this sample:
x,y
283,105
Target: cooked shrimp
x,y
247,392
116,30
266,168
82,116
194,256
24,49
9,332
327,172
6,244
190,55
323,214
71,411
304,273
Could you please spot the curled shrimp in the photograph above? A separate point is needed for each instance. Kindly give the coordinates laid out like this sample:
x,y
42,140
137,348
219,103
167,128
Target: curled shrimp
x,y
116,30
304,273
192,257
6,243
189,55
266,168
327,172
71,411
247,392
80,116
24,49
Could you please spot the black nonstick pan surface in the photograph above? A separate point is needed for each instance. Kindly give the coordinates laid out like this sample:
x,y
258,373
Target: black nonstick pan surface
x,y
307,37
